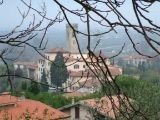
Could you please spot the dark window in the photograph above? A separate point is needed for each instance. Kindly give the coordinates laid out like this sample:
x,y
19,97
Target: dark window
x,y
84,66
77,112
76,66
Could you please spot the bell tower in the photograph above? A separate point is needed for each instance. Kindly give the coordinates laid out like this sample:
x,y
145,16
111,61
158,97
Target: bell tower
x,y
71,40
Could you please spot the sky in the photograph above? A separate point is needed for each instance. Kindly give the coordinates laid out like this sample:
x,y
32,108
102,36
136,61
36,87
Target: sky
x,y
10,17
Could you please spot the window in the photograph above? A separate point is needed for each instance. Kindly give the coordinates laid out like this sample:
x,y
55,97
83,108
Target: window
x,y
84,66
76,66
77,112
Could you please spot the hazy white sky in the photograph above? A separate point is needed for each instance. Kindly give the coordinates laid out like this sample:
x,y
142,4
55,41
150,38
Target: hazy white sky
x,y
10,17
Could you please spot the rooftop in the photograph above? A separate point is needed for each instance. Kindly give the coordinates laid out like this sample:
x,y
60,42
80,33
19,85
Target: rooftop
x,y
89,83
114,70
30,65
81,74
108,106
23,107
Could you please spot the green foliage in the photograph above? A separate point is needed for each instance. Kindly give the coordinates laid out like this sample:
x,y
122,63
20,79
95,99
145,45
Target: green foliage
x,y
54,100
145,94
44,88
59,73
3,80
17,93
3,85
151,75
131,71
127,82
24,85
58,100
97,94
34,88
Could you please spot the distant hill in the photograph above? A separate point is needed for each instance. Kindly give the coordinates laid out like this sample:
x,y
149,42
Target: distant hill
x,y
110,43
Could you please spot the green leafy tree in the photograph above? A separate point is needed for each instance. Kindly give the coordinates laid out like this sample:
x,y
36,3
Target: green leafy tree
x,y
34,88
44,88
59,73
145,94
152,76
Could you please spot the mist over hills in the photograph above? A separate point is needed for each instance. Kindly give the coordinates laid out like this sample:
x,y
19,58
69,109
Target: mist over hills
x,y
110,44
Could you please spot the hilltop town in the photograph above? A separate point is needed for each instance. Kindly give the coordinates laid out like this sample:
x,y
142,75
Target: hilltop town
x,y
79,72
79,60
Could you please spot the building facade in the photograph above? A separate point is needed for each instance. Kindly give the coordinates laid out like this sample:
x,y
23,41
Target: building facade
x,y
78,65
29,69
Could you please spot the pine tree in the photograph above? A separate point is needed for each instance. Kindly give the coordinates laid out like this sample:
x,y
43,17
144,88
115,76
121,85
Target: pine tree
x,y
44,88
59,73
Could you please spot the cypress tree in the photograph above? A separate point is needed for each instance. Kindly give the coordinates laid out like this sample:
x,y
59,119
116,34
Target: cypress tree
x,y
58,71
44,88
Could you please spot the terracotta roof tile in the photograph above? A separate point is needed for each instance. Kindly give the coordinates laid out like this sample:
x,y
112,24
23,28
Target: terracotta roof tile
x,y
21,108
115,70
90,83
81,74
107,106
6,98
